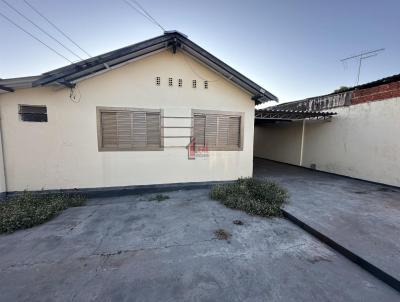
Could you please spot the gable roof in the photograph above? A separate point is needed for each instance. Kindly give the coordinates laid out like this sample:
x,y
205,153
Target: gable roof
x,y
174,40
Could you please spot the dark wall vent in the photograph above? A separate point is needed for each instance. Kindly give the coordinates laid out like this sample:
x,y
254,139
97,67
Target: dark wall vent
x,y
194,83
33,113
158,81
180,82
170,82
205,84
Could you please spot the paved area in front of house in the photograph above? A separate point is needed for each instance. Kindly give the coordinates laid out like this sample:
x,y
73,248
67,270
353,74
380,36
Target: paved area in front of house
x,y
133,249
361,216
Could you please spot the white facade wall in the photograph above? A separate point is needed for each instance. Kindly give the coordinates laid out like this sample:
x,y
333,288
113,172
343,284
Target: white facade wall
x,y
63,153
362,141
280,142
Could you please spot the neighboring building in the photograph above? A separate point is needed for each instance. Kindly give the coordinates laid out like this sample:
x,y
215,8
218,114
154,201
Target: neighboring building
x,y
361,140
125,118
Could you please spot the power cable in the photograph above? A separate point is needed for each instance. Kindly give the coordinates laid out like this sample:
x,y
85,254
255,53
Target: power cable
x,y
41,29
148,14
37,39
138,11
56,27
143,12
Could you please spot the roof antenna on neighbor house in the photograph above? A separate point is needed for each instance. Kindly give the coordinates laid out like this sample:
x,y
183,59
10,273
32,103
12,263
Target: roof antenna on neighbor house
x,y
362,56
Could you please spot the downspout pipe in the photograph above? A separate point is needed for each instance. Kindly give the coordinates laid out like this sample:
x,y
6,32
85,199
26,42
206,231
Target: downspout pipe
x,y
3,174
302,142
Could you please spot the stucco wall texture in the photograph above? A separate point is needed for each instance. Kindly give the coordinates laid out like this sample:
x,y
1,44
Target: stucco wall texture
x,y
63,153
361,142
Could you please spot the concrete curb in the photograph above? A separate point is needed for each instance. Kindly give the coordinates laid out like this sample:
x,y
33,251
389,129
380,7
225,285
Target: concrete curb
x,y
331,173
369,267
128,190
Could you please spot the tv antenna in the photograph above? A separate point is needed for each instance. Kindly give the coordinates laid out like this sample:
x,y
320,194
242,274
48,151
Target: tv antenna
x,y
361,57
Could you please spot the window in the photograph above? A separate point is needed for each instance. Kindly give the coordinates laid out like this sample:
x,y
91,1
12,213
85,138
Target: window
x,y
218,130
129,129
158,81
194,83
33,113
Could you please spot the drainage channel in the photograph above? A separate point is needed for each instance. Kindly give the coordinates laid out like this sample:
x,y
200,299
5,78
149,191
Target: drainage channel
x,y
369,267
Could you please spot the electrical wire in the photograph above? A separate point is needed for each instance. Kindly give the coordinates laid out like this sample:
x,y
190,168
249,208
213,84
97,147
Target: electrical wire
x,y
148,14
195,72
41,29
56,27
37,39
143,12
138,10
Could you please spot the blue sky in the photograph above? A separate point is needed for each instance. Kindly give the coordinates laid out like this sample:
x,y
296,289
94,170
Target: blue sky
x,y
290,47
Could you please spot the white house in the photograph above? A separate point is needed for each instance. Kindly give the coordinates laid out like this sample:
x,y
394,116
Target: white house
x,y
125,118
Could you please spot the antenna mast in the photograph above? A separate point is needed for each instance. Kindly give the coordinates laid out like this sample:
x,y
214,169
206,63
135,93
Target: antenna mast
x,y
362,56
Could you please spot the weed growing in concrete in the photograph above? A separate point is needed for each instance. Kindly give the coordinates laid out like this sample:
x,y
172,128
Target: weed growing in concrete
x,y
256,197
159,197
27,210
222,234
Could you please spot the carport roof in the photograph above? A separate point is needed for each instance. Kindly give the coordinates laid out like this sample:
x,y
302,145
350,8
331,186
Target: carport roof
x,y
69,75
290,115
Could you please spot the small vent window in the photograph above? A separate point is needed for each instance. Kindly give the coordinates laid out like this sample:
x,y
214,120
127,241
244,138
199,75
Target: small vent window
x,y
180,82
158,81
205,84
170,82
33,113
194,83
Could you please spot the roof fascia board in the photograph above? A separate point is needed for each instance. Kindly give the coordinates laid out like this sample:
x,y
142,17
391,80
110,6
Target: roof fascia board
x,y
90,67
5,88
15,83
229,70
110,53
99,60
225,76
115,66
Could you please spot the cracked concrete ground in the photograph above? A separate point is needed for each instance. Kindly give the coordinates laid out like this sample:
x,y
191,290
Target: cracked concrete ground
x,y
361,216
132,249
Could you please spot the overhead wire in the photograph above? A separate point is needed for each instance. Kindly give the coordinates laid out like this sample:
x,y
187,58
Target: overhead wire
x,y
56,27
34,37
196,73
148,14
139,9
131,5
41,29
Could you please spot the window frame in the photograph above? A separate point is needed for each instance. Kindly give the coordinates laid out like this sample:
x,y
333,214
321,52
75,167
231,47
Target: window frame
x,y
241,115
101,109
44,115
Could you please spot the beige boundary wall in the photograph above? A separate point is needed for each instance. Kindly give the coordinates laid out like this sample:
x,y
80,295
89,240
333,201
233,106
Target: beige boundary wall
x,y
362,141
63,153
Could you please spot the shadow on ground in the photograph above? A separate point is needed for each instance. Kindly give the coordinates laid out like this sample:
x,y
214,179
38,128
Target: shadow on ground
x,y
130,248
361,216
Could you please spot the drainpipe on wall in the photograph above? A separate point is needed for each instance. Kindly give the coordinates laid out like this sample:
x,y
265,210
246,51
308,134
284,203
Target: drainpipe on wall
x,y
3,180
302,142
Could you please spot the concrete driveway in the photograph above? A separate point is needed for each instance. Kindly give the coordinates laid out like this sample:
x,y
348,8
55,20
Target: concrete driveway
x,y
360,216
133,249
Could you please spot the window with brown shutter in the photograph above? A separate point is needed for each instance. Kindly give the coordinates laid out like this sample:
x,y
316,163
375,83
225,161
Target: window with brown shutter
x,y
218,130
127,129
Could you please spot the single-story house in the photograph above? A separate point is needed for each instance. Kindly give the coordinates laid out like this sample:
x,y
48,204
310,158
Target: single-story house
x,y
126,118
